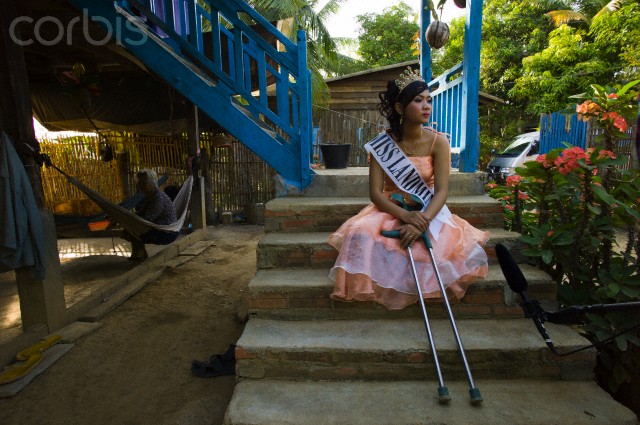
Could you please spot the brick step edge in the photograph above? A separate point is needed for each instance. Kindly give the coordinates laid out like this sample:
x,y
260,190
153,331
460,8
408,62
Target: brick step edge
x,y
311,249
327,214
399,349
297,294
506,402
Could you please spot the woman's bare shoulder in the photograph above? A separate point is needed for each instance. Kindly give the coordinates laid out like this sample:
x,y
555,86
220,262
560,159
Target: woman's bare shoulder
x,y
439,139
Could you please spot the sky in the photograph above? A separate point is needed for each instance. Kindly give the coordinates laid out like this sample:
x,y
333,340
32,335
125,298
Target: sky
x,y
344,23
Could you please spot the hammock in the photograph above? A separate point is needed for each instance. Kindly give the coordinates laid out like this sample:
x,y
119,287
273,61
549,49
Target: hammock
x,y
81,225
131,222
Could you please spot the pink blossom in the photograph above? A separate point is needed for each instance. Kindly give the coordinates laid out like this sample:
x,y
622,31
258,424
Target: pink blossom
x,y
612,96
542,159
509,207
606,154
522,195
621,124
550,233
513,180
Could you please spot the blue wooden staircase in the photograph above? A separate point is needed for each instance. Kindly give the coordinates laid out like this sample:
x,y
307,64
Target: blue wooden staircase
x,y
231,63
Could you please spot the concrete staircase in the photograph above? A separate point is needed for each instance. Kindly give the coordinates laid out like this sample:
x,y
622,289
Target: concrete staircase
x,y
306,359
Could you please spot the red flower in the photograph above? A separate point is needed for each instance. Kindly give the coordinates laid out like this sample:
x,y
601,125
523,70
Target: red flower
x,y
513,180
606,154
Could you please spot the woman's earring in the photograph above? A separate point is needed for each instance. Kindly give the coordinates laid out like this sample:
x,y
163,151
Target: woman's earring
x,y
401,116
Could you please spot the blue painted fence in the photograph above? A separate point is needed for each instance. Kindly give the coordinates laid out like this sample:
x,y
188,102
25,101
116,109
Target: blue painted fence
x,y
446,91
557,128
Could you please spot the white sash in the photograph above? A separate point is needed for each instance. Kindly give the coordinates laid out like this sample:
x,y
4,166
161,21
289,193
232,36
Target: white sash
x,y
404,174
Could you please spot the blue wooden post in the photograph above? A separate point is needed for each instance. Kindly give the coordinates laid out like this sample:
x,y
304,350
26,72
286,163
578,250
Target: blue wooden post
x,y
470,136
425,50
304,81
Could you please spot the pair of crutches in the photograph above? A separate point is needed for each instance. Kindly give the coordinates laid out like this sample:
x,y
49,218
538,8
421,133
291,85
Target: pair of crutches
x,y
443,391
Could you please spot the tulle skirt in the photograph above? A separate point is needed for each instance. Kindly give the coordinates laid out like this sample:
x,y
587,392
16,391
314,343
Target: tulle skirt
x,y
371,267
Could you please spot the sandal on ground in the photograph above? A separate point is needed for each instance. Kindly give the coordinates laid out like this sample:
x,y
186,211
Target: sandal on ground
x,y
19,370
38,347
217,365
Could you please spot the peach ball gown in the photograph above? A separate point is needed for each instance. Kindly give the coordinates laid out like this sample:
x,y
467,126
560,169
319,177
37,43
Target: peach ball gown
x,y
371,267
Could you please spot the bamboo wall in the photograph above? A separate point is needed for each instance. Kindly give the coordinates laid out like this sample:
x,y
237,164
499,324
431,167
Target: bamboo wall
x,y
355,127
235,178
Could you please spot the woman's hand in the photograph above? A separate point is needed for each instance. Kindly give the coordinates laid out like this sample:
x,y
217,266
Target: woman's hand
x,y
408,234
416,219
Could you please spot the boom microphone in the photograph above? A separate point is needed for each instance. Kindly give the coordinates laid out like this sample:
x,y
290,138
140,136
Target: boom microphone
x,y
518,284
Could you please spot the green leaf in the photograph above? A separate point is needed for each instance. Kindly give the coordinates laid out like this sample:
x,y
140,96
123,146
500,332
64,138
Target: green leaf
x,y
631,292
621,343
594,209
603,195
613,290
563,239
627,86
530,240
547,256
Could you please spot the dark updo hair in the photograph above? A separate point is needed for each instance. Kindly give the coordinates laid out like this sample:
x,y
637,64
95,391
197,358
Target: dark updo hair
x,y
392,95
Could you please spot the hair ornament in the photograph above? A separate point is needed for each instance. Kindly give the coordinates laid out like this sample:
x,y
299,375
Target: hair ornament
x,y
407,77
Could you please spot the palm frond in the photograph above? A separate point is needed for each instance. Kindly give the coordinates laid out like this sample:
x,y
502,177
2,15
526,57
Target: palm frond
x,y
560,17
612,6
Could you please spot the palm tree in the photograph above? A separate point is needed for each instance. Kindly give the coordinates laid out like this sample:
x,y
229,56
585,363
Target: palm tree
x,y
583,10
321,48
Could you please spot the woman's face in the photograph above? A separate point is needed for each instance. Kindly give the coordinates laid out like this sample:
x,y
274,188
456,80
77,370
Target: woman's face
x,y
144,185
418,110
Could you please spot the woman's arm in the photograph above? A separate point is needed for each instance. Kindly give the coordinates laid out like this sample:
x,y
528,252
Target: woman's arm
x,y
441,168
415,221
382,201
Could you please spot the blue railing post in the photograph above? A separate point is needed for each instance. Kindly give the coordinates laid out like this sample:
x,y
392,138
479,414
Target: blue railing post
x,y
470,137
304,76
425,50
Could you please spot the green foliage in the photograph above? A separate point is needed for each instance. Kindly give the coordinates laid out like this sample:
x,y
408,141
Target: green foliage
x,y
605,50
571,207
451,55
552,73
385,39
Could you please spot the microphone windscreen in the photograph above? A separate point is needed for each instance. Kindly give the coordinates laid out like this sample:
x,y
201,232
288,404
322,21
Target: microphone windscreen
x,y
510,269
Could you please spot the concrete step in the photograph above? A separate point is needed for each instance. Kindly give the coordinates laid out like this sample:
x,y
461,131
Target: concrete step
x,y
399,350
326,214
506,402
310,249
354,182
303,294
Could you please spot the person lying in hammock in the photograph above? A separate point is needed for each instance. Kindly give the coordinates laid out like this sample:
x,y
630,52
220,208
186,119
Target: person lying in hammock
x,y
155,207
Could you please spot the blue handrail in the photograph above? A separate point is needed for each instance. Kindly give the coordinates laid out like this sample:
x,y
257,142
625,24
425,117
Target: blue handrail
x,y
446,91
236,56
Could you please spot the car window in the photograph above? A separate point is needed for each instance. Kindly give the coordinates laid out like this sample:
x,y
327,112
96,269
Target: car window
x,y
515,150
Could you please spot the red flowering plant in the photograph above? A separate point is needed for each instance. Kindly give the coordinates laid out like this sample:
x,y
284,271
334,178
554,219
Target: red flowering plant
x,y
573,209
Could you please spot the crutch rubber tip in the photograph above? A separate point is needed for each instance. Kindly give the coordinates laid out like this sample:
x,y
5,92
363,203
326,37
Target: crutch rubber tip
x,y
443,395
476,398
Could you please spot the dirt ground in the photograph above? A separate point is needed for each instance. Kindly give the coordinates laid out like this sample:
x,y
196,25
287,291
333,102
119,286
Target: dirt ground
x,y
136,368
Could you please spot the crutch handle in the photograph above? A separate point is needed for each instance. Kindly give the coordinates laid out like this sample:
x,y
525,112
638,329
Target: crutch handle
x,y
395,234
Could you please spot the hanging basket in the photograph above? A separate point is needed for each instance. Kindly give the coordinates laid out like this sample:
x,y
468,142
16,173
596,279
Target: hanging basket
x,y
437,34
460,3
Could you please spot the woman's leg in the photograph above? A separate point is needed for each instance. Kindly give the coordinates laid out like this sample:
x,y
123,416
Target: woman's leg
x,y
137,246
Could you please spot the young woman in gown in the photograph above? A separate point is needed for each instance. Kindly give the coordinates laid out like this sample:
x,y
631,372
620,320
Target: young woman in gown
x,y
371,267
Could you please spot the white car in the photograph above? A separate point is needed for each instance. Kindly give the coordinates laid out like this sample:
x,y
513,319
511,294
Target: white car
x,y
523,148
